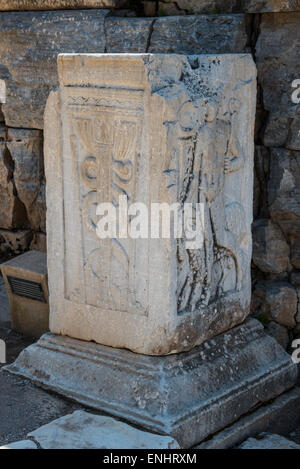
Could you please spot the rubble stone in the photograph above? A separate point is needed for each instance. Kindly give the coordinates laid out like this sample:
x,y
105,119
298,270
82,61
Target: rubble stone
x,y
270,249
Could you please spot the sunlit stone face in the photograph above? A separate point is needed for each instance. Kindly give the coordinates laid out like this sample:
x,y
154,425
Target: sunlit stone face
x,y
153,129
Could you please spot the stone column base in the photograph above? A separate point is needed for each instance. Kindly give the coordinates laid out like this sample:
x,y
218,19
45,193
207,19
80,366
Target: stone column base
x,y
188,395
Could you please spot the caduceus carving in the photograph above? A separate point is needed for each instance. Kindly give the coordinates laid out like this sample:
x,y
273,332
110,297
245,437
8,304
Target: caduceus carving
x,y
85,131
123,168
124,144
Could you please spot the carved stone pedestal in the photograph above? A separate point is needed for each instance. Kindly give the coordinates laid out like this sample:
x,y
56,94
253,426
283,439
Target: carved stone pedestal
x,y
187,395
157,129
167,129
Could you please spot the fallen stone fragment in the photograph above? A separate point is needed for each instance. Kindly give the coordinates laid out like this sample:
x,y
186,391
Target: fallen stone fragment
x,y
82,430
268,441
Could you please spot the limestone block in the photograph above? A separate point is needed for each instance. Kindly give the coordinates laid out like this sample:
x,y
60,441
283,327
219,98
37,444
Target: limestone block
x,y
228,6
185,124
293,140
83,430
39,242
214,34
276,301
280,333
278,66
127,35
277,129
295,278
295,255
284,191
15,241
8,5
280,416
189,396
26,151
30,42
266,6
9,215
269,441
270,249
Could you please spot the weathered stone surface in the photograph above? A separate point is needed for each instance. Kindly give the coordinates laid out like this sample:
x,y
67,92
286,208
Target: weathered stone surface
x,y
188,395
270,249
279,333
29,303
207,34
127,35
36,38
261,178
39,242
149,7
284,191
280,416
12,212
228,6
293,141
269,441
278,61
277,129
276,301
4,310
15,241
125,297
30,42
25,148
24,444
295,278
170,8
15,5
295,255
83,430
264,6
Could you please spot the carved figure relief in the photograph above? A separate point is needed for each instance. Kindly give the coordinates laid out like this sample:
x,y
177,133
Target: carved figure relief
x,y
209,150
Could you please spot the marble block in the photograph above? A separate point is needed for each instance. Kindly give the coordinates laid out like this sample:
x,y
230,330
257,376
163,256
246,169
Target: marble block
x,y
164,129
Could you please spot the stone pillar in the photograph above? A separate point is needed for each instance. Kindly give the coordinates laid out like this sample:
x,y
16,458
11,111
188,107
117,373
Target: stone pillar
x,y
167,129
157,129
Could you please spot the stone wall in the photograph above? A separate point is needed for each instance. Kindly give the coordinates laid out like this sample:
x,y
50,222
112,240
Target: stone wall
x,y
30,42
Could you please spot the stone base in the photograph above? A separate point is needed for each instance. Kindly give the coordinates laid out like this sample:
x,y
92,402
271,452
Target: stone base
x,y
189,395
280,416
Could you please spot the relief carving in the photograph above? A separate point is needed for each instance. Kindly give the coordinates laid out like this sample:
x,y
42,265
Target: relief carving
x,y
210,149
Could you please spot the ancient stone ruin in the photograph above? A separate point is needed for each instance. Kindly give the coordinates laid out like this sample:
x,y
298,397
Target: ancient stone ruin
x,y
152,330
160,128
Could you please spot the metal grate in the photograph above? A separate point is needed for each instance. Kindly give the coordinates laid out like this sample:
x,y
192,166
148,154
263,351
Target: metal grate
x,y
27,289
